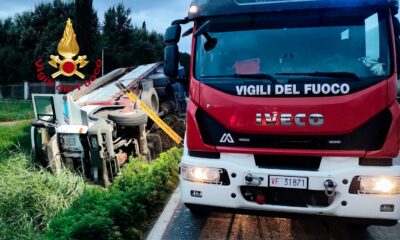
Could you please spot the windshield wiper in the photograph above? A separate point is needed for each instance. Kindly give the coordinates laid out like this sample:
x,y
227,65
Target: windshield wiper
x,y
249,76
348,75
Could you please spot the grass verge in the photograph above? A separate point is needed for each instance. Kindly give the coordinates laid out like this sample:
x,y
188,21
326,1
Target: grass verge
x,y
14,110
12,137
29,196
37,204
124,210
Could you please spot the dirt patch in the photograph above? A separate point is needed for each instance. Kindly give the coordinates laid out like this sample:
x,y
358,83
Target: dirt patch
x,y
13,123
178,125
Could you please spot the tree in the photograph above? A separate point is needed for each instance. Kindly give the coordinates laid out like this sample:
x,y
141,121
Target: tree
x,y
35,34
144,26
128,45
117,28
86,26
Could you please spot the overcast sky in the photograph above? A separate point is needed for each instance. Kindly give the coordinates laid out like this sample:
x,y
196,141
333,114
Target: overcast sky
x,y
158,14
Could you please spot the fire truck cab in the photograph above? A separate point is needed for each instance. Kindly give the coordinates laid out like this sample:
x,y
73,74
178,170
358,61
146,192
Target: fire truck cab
x,y
293,108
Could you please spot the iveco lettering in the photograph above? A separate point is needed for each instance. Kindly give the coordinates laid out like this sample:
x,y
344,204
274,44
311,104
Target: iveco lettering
x,y
287,119
293,108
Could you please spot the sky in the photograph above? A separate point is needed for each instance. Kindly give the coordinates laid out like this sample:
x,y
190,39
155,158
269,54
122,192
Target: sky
x,y
158,14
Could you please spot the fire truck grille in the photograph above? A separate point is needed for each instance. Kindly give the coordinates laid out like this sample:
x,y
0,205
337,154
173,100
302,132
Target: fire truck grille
x,y
370,136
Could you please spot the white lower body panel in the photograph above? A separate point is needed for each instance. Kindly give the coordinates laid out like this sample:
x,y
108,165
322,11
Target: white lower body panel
x,y
334,168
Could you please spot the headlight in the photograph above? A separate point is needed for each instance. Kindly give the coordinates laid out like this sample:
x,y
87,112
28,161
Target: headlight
x,y
201,174
379,185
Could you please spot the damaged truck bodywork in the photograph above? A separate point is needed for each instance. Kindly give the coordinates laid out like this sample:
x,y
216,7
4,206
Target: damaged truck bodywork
x,y
95,129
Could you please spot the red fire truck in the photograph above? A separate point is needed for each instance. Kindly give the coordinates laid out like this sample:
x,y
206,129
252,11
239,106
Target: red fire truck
x,y
293,108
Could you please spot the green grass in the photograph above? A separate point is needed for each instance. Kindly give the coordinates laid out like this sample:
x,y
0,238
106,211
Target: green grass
x,y
35,204
15,110
16,135
29,196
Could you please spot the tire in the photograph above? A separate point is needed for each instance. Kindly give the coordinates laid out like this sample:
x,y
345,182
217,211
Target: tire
x,y
150,98
131,118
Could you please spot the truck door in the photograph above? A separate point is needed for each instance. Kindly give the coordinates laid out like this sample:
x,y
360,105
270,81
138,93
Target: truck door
x,y
43,128
43,106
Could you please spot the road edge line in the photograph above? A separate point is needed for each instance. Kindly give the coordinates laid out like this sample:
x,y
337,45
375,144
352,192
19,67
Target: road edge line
x,y
160,226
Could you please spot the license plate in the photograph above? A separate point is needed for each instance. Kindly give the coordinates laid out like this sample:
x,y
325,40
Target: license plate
x,y
288,182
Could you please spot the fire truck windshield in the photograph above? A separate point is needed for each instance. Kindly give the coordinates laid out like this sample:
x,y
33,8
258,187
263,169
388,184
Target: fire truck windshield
x,y
297,45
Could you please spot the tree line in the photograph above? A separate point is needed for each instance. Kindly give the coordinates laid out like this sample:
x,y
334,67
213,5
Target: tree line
x,y
35,34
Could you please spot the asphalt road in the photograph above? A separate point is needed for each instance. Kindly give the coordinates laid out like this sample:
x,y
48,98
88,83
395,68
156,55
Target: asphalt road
x,y
184,226
233,226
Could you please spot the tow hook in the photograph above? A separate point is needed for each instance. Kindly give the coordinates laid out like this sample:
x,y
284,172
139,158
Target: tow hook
x,y
253,180
330,187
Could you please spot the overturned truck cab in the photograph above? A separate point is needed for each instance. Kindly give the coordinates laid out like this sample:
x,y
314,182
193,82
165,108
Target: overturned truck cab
x,y
94,130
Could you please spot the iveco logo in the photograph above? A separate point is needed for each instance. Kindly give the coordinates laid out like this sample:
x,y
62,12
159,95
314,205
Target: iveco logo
x,y
287,119
227,137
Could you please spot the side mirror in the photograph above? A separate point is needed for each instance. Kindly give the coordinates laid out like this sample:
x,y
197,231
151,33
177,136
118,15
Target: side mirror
x,y
171,51
172,34
171,61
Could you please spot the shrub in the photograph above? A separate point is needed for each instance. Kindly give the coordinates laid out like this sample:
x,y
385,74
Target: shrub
x,y
125,209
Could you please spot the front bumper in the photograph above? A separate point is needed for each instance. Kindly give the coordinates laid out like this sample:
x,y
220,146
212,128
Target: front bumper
x,y
343,204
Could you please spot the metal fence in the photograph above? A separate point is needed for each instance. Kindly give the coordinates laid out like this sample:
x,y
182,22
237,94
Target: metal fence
x,y
26,89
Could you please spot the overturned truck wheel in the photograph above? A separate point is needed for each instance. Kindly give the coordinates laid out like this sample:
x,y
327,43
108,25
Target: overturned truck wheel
x,y
150,98
130,118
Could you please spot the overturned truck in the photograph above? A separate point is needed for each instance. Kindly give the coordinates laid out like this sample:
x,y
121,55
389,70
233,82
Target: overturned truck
x,y
94,130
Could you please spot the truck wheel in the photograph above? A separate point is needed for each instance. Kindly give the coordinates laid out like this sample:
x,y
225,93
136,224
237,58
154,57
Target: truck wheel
x,y
155,146
150,98
132,118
